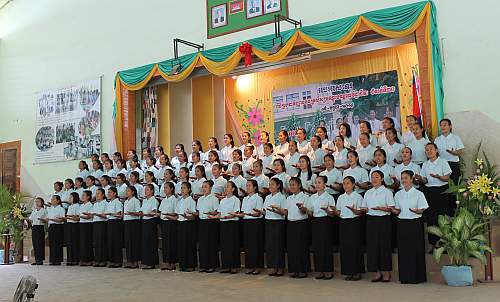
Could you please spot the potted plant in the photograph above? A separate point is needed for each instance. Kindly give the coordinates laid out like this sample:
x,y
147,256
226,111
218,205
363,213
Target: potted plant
x,y
461,237
14,209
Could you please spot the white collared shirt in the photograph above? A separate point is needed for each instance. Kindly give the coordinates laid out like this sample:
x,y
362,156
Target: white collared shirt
x,y
410,167
352,200
417,147
207,204
196,186
83,174
111,173
281,149
267,162
278,200
318,201
449,142
219,184
317,159
149,205
167,206
251,202
73,210
79,191
290,161
184,206
333,176
388,172
294,214
154,170
86,208
262,181
340,157
227,153
285,179
246,165
114,207
131,205
359,174
140,190
36,214
307,184
99,207
377,197
122,191
326,144
411,199
408,136
229,205
393,152
304,147
240,182
440,167
365,155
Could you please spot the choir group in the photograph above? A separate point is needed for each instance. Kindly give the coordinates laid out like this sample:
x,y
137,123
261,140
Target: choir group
x,y
368,195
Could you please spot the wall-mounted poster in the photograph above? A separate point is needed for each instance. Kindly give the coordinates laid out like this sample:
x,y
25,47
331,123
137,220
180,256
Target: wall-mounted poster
x,y
68,122
239,15
368,97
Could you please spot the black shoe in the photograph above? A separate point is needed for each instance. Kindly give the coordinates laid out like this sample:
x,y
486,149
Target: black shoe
x,y
272,274
255,273
329,277
320,277
348,278
225,271
249,273
279,274
209,271
294,275
302,276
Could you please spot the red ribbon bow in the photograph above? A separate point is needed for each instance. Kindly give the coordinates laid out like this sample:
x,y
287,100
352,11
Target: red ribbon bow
x,y
246,50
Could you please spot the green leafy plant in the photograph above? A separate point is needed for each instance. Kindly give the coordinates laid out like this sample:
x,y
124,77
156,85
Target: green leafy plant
x,y
462,237
14,208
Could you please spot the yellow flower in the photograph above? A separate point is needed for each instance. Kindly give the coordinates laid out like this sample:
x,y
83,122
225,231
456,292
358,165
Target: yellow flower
x,y
18,214
480,185
495,191
486,210
479,162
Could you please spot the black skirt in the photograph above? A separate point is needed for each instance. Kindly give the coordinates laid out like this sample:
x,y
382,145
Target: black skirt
x,y
38,241
322,244
149,242
186,244
253,236
100,237
208,239
411,251
115,241
230,244
298,246
72,238
169,241
132,239
275,243
439,204
378,243
352,258
455,171
86,242
56,238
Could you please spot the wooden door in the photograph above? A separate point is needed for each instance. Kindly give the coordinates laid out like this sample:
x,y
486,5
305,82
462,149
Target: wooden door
x,y
10,165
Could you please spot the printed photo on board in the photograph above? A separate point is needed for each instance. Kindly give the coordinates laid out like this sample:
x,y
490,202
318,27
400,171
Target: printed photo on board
x,y
254,8
236,6
272,6
219,15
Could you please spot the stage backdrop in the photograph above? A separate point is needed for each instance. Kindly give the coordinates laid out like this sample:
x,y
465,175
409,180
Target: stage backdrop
x,y
368,97
249,98
68,122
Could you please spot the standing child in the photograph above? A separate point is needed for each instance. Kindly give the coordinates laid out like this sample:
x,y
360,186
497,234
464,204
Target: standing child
x,y
168,227
253,228
378,203
321,229
37,217
55,218
115,229
100,229
72,230
186,229
149,208
86,245
291,160
208,231
132,228
275,228
352,258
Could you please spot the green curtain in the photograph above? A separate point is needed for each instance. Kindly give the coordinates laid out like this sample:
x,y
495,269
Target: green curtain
x,y
396,18
135,75
330,31
222,53
185,60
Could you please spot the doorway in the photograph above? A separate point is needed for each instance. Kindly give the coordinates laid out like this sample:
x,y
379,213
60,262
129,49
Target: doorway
x,y
10,165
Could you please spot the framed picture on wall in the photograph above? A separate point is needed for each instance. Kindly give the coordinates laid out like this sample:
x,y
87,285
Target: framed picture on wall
x,y
219,15
272,6
254,8
236,6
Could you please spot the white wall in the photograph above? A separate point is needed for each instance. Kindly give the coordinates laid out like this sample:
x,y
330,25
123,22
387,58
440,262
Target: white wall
x,y
54,43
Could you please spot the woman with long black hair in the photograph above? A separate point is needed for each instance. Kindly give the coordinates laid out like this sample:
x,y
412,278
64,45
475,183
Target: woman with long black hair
x,y
185,210
86,239
208,229
100,229
132,228
115,229
72,230
149,234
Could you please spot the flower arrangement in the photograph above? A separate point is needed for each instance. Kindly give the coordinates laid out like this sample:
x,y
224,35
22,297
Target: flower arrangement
x,y
14,211
479,193
252,119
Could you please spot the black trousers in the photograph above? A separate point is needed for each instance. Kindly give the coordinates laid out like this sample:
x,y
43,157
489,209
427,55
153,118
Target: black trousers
x,y
72,238
149,238
275,244
56,239
208,243
352,257
455,171
253,236
186,238
132,239
440,203
322,244
411,251
298,246
38,241
100,237
378,243
86,242
230,244
115,241
169,241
